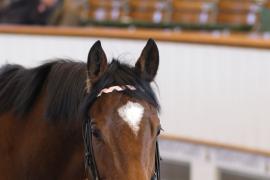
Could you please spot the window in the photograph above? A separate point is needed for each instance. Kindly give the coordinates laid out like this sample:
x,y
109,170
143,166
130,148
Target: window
x,y
171,170
230,175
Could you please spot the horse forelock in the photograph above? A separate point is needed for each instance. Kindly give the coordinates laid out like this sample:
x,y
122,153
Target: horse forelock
x,y
119,74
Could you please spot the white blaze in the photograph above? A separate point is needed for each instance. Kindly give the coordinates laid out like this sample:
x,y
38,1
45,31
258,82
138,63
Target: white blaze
x,y
132,113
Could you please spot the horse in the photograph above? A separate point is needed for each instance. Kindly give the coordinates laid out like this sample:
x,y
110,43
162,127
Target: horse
x,y
73,120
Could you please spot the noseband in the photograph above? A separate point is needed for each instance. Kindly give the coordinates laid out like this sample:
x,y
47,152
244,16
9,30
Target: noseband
x,y
90,162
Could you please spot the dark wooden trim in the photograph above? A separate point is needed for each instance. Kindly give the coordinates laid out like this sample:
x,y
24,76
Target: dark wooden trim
x,y
237,40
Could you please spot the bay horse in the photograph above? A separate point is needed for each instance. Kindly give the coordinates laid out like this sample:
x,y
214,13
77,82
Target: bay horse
x,y
72,120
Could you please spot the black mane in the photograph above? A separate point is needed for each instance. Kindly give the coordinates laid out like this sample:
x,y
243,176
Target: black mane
x,y
63,84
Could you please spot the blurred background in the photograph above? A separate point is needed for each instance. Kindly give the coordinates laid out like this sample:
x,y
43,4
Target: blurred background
x,y
242,15
214,75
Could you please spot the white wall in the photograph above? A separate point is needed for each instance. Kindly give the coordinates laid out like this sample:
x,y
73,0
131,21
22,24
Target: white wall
x,y
210,93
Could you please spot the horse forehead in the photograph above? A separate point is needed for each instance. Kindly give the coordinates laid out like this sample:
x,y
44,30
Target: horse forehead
x,y
132,114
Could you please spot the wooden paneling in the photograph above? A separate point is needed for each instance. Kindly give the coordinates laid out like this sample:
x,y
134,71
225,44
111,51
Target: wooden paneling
x,y
238,12
236,18
141,4
193,17
149,11
236,5
190,5
193,12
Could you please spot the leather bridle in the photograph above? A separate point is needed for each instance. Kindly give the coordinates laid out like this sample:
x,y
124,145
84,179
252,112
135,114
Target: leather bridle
x,y
90,162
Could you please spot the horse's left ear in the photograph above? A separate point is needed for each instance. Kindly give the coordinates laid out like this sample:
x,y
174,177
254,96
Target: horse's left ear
x,y
147,64
97,62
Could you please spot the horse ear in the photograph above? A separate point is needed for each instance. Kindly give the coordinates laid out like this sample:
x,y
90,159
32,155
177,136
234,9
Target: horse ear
x,y
97,61
147,64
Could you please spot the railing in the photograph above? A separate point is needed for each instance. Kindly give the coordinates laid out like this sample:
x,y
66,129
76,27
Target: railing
x,y
196,160
212,38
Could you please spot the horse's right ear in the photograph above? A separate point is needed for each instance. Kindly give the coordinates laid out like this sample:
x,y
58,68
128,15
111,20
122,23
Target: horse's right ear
x,y
97,62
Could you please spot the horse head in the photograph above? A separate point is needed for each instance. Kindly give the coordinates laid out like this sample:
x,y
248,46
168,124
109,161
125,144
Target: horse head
x,y
121,123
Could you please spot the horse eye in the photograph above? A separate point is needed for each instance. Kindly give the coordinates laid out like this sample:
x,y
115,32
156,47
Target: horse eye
x,y
159,131
96,133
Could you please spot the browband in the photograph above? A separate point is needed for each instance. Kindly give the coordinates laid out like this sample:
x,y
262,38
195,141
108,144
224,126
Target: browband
x,y
116,88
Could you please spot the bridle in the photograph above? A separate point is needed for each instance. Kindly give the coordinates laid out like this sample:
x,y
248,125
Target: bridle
x,y
90,162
